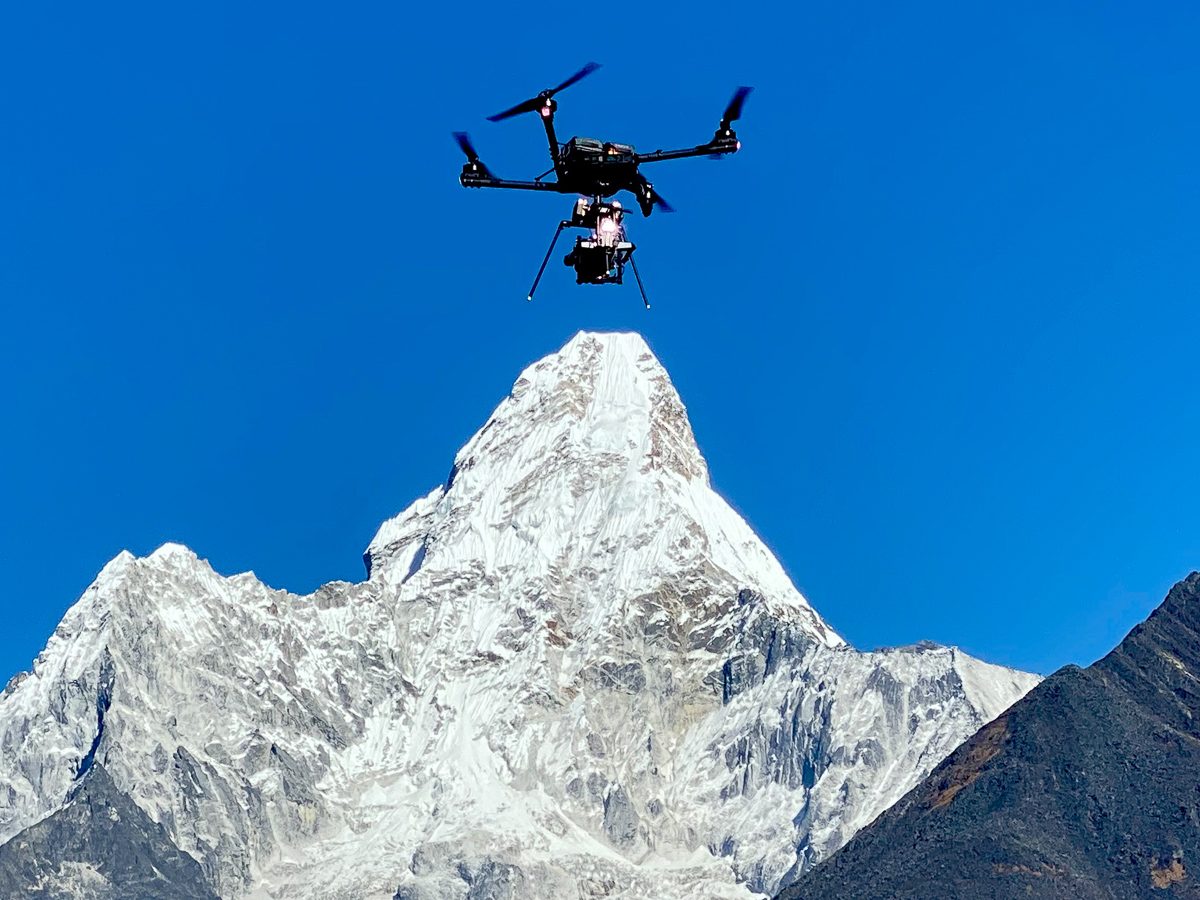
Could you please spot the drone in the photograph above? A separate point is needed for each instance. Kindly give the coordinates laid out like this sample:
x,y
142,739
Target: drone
x,y
596,171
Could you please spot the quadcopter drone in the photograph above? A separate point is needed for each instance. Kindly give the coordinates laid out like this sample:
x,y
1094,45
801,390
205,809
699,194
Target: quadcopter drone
x,y
596,170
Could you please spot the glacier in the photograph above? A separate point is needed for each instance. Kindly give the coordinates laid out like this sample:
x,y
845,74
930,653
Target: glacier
x,y
572,671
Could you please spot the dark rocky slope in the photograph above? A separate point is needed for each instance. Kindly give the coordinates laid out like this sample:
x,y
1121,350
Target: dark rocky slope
x,y
1089,787
99,846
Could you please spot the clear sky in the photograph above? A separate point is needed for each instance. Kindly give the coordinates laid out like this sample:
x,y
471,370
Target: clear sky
x,y
936,325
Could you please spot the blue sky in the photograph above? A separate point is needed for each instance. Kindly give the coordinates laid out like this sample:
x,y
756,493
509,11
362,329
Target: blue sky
x,y
935,325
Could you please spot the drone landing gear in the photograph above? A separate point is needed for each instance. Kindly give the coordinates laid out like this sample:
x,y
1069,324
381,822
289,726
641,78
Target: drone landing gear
x,y
542,268
638,276
600,257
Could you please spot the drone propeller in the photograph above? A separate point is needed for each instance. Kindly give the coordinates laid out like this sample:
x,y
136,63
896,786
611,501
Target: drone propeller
x,y
733,111
535,103
578,76
658,200
464,143
724,134
474,164
649,198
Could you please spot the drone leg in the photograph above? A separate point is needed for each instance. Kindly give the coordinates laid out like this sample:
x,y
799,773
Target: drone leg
x,y
542,268
638,276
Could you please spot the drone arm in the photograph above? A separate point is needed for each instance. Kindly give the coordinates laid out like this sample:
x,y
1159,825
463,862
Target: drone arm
x,y
547,118
473,180
476,174
715,147
724,139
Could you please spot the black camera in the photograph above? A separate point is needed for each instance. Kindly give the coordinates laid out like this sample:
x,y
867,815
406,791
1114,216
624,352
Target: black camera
x,y
600,257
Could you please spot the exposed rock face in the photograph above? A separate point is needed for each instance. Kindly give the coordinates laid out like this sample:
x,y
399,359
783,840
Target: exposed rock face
x,y
573,671
99,846
1087,788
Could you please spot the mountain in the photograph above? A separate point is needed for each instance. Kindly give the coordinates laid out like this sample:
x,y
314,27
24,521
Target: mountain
x,y
572,671
100,843
1087,788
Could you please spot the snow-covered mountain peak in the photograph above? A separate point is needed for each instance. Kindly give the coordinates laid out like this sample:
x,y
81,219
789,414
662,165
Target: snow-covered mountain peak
x,y
173,551
601,395
588,476
572,671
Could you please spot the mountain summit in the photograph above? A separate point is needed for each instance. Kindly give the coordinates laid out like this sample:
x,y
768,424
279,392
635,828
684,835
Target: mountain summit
x,y
572,671
586,484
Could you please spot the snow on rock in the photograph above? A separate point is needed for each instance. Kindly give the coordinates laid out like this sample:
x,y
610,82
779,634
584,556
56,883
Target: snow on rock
x,y
572,671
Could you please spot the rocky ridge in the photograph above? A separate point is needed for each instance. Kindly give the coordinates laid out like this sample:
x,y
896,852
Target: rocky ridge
x,y
1087,788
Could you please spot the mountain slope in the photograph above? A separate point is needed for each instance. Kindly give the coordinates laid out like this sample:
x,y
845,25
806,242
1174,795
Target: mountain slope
x,y
1087,788
573,671
99,846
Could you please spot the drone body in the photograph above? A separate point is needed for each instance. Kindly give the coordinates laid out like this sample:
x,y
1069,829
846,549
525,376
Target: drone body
x,y
596,170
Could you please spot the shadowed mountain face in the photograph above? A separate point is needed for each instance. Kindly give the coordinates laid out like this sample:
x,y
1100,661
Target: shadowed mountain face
x,y
99,846
1087,788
